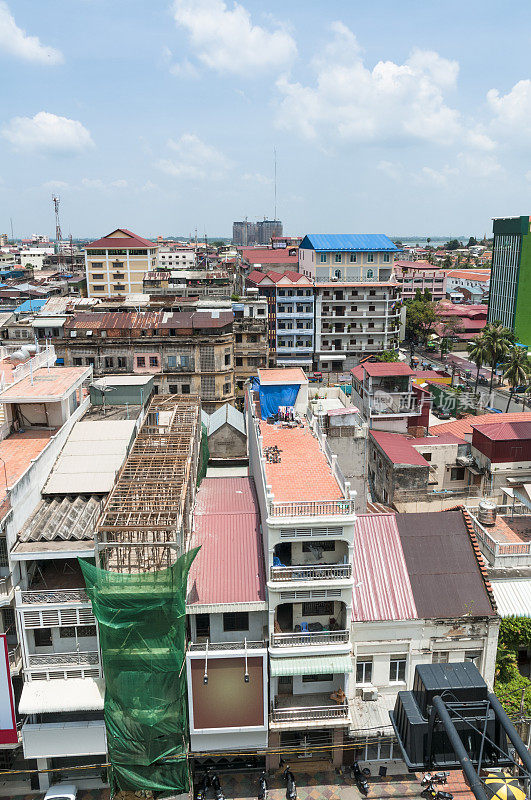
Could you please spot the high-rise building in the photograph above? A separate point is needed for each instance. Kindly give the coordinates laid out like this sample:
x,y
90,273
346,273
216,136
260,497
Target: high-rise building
x,y
249,233
510,284
116,265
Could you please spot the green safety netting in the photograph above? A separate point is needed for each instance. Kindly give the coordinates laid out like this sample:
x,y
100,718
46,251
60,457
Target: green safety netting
x,y
204,455
141,620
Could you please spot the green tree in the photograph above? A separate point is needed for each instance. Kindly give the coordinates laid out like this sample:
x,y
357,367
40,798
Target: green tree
x,y
447,263
421,318
453,244
450,328
516,371
387,355
478,352
499,341
472,242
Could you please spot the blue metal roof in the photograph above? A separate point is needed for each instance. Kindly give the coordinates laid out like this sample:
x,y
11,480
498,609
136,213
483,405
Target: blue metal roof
x,y
348,241
29,306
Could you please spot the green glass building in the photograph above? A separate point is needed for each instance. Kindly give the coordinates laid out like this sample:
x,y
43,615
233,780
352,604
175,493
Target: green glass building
x,y
510,283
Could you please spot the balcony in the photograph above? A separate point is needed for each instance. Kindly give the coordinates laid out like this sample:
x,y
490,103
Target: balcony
x,y
195,647
54,596
311,508
313,708
48,666
15,659
6,590
383,403
309,639
314,572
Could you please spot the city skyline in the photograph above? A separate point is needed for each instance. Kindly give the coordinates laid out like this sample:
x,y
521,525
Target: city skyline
x,y
415,118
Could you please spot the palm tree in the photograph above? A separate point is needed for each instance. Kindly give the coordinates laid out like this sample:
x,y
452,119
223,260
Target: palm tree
x,y
499,340
517,371
478,353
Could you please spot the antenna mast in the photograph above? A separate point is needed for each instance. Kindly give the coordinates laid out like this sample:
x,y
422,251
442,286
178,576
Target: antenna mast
x,y
275,160
58,234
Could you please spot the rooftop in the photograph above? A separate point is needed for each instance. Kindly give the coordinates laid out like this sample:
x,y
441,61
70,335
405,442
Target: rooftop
x,y
17,452
129,240
482,275
505,430
303,472
377,369
398,448
50,385
288,375
463,427
256,276
348,241
263,255
229,568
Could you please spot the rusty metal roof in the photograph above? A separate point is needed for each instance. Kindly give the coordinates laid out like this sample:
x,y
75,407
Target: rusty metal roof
x,y
229,568
134,320
382,589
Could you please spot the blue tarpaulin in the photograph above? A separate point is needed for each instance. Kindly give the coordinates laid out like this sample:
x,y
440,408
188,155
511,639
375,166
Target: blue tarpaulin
x,y
271,397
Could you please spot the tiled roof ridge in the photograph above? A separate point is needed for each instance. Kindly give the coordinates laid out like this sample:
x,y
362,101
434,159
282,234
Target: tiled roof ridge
x,y
477,552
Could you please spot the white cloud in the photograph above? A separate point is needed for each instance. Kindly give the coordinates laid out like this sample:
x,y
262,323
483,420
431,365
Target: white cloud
x,y
47,133
257,177
16,42
479,140
225,39
55,185
183,69
350,102
394,171
194,159
512,111
479,166
437,177
101,185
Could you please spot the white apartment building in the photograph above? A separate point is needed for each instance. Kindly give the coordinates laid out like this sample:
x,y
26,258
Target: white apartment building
x,y
177,257
307,517
357,300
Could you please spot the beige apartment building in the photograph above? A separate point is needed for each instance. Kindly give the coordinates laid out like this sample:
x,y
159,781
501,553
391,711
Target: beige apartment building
x,y
116,265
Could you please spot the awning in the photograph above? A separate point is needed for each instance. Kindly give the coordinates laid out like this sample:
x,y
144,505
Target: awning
x,y
294,362
48,322
331,357
72,694
311,665
513,597
523,493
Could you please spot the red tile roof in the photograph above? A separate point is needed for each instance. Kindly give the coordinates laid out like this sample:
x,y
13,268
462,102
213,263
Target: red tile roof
x,y
257,277
303,473
463,427
282,375
470,274
229,568
255,255
398,448
503,431
382,589
443,438
376,369
120,243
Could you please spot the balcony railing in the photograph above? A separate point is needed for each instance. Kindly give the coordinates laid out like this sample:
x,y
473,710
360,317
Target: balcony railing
x,y
61,659
375,279
213,646
6,587
15,654
54,596
311,508
310,713
318,572
309,639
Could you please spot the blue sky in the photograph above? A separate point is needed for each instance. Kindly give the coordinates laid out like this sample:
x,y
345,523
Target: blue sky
x,y
410,117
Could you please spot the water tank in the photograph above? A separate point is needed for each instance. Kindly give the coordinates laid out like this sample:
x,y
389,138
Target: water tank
x,y
487,511
18,356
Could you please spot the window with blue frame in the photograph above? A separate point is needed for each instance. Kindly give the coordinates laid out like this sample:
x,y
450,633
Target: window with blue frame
x,y
370,258
353,258
386,258
323,258
337,258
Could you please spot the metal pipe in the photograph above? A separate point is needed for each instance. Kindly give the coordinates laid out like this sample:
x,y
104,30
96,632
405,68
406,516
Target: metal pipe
x,y
511,732
474,781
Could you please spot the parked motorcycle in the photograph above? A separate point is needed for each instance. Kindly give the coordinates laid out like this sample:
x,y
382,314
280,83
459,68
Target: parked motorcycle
x,y
435,777
360,779
262,787
291,787
218,791
203,787
431,793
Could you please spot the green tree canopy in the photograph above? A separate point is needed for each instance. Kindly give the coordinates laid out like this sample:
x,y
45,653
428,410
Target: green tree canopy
x,y
453,244
516,370
499,340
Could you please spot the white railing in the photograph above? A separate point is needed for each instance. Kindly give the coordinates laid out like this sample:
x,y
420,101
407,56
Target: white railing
x,y
89,658
311,508
6,587
46,358
359,279
500,549
55,596
309,639
310,713
319,572
214,646
15,654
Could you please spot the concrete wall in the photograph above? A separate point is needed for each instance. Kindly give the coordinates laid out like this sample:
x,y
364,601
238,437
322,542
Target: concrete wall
x,y
350,446
227,442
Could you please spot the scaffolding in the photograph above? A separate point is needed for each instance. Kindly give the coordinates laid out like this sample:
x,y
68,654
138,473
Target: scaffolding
x,y
146,522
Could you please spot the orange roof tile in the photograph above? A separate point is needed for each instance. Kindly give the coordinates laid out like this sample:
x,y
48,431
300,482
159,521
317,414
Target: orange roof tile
x,y
463,427
303,472
45,383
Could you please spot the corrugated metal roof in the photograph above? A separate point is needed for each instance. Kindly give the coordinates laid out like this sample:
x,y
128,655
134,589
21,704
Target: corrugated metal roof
x,y
443,568
463,427
129,320
225,414
376,369
65,519
513,597
131,240
229,568
311,665
504,431
398,448
348,241
382,589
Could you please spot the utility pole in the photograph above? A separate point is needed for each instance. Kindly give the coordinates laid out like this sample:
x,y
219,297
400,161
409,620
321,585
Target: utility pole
x,y
58,234
12,236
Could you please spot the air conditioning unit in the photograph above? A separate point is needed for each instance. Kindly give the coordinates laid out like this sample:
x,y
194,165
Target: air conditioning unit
x,y
369,693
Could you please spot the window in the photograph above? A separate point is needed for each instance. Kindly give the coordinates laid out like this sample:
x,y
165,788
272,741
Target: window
x,y
171,361
426,456
457,474
109,362
117,276
372,308
370,273
174,389
311,547
99,288
226,388
97,277
397,669
364,669
185,388
318,609
3,552
353,258
202,624
372,293
122,362
239,361
78,362
317,678
71,632
337,258
236,621
43,637
97,265
140,361
8,615
370,258
323,258
227,359
153,361
118,287
238,338
474,657
337,273
440,657
371,325
386,258
90,361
